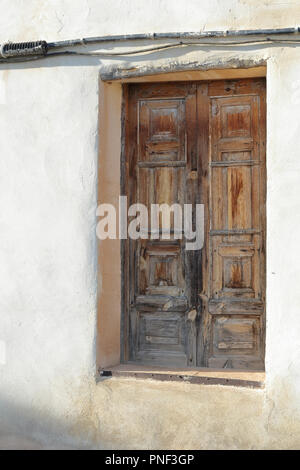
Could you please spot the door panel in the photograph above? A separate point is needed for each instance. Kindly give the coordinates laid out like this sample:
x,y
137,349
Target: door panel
x,y
160,160
200,142
237,233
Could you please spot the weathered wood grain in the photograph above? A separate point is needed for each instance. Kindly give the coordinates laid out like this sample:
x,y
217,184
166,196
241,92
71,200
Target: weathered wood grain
x,y
196,142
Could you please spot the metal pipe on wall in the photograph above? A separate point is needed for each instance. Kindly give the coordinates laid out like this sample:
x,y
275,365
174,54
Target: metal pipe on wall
x,y
26,51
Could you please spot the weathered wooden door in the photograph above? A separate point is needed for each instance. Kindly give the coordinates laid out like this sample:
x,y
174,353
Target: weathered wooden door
x,y
196,143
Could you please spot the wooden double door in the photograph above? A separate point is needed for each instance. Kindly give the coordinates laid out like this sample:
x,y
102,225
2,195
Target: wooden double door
x,y
196,143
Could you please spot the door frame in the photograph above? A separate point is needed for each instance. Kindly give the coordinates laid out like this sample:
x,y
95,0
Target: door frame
x,y
111,321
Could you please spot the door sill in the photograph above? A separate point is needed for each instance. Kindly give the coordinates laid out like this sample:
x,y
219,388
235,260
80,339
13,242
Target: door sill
x,y
202,376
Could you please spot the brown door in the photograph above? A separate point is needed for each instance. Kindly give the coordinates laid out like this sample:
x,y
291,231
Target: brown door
x,y
196,143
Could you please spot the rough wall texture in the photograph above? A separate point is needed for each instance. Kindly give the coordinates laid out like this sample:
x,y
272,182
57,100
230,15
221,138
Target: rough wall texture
x,y
48,275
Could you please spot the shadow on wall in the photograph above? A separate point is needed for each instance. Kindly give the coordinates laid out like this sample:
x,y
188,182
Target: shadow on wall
x,y
33,429
177,54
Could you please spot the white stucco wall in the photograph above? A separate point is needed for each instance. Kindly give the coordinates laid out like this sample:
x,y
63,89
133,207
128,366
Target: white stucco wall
x,y
48,274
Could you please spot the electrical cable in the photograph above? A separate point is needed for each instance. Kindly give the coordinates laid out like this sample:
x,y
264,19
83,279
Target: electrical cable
x,y
208,43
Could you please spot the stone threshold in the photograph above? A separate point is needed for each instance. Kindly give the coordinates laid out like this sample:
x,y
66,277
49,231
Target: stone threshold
x,y
202,376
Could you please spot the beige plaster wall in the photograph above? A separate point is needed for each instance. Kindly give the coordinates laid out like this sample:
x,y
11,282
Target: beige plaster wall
x,y
52,285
